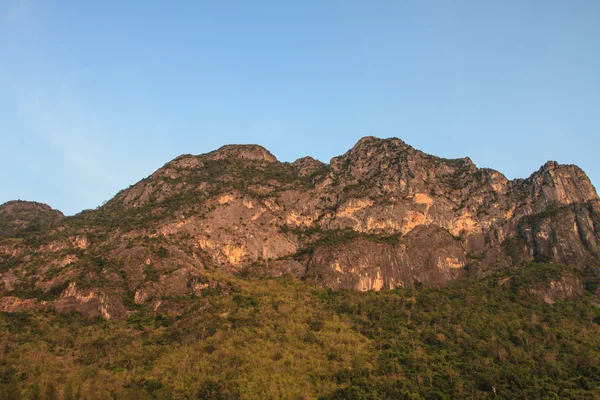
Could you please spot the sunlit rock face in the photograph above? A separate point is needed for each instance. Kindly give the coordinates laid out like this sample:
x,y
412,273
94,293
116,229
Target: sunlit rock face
x,y
381,216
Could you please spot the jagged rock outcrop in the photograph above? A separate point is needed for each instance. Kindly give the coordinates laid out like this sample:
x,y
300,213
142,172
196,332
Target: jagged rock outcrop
x,y
382,215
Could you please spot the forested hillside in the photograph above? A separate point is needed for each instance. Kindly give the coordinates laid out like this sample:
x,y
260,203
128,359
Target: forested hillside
x,y
513,334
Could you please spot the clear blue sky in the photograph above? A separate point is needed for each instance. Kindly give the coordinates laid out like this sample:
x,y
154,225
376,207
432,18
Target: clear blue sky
x,y
95,95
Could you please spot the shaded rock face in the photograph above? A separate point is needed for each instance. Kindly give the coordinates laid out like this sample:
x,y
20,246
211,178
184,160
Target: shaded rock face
x,y
568,235
427,254
382,215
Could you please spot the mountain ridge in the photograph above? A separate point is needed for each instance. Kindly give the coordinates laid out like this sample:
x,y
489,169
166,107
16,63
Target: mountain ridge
x,y
380,216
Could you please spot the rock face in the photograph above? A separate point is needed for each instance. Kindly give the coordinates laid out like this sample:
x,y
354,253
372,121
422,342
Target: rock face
x,y
382,215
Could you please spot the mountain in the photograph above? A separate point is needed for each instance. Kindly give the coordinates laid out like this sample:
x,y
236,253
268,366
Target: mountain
x,y
226,275
381,216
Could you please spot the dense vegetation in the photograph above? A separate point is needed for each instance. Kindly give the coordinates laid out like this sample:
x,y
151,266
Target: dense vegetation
x,y
481,338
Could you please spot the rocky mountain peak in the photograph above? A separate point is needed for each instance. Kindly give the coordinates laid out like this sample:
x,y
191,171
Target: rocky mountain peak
x,y
19,215
468,161
18,206
370,156
549,165
371,145
243,151
308,165
562,184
